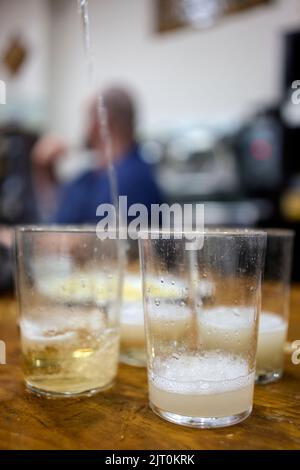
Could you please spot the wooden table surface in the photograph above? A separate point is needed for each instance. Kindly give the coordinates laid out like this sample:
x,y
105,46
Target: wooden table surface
x,y
121,419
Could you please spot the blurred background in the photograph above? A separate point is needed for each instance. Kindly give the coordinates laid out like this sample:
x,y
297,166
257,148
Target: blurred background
x,y
212,79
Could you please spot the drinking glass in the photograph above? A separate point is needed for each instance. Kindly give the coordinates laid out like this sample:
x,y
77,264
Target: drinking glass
x,y
273,324
201,350
69,291
133,349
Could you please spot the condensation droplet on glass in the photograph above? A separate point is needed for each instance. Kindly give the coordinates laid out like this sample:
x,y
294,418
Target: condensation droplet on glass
x,y
157,302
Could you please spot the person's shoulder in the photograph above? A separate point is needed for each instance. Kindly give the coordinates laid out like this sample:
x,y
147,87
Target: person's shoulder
x,y
84,179
136,162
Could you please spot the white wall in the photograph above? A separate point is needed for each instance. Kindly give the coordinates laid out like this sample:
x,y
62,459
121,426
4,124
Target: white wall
x,y
180,77
27,93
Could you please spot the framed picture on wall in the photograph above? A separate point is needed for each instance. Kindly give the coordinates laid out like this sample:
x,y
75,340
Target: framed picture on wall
x,y
174,14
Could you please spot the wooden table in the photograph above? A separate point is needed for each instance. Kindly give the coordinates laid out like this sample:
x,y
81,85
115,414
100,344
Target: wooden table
x,y
121,419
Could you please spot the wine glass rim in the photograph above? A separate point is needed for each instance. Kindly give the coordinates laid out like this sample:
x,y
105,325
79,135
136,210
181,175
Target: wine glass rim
x,y
57,228
279,232
205,232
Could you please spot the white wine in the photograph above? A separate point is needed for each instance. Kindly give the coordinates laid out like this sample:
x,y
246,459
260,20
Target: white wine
x,y
211,385
271,339
67,353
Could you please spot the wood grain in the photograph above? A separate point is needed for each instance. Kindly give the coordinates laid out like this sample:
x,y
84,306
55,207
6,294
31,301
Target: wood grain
x,y
121,419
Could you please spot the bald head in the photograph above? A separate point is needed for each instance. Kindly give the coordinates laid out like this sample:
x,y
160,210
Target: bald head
x,y
121,111
120,108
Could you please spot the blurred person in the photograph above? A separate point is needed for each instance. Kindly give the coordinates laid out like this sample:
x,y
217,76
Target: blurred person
x,y
46,153
78,200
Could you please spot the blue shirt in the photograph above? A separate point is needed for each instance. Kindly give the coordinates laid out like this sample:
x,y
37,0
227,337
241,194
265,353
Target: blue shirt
x,y
79,199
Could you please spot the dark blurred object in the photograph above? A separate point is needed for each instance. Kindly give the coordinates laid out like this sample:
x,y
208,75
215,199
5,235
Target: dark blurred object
x,y
6,270
290,198
260,154
17,202
291,111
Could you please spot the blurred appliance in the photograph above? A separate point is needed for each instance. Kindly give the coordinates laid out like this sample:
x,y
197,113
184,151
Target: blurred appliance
x,y
17,202
290,216
290,111
260,154
198,163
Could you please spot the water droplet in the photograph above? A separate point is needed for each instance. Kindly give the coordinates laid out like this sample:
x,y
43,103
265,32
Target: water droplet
x,y
162,281
173,283
182,303
175,356
157,302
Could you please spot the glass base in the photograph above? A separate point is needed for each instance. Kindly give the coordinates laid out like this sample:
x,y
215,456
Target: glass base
x,y
263,378
198,422
134,357
52,394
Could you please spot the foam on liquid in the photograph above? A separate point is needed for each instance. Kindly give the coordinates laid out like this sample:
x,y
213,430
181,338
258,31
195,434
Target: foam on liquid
x,y
210,385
